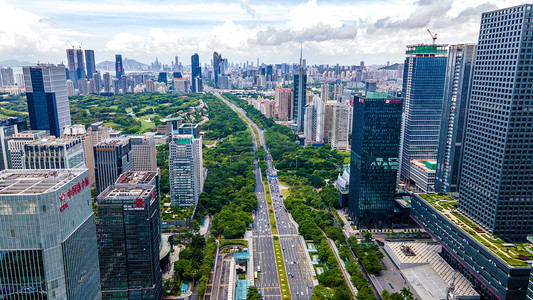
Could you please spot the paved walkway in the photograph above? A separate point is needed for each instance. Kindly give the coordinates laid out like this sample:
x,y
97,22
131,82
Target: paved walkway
x,y
347,276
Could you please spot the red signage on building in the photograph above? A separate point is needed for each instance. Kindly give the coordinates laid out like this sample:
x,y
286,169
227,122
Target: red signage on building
x,y
139,202
73,191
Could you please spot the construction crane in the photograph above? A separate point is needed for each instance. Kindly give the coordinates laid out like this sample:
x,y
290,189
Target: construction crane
x,y
433,36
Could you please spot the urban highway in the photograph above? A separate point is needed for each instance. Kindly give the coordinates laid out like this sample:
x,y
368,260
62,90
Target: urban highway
x,y
296,265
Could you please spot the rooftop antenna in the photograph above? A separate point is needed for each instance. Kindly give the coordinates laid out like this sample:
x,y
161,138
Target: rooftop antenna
x,y
433,36
301,53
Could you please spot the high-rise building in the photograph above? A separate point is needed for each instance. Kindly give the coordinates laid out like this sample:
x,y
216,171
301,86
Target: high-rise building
x,y
19,122
124,84
72,63
423,86
150,86
48,235
129,236
119,67
116,86
196,73
324,92
457,87
185,169
143,152
112,157
91,64
15,146
189,128
6,77
374,160
79,132
54,153
314,121
46,92
338,132
107,82
6,133
338,91
299,98
283,98
162,77
98,132
497,173
80,64
217,60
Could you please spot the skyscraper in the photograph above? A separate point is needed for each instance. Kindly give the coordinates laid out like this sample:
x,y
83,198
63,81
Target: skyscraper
x,y
129,235
374,160
112,157
107,82
217,59
299,98
6,77
283,98
497,172
72,63
91,64
119,68
46,92
314,121
48,241
185,169
80,64
423,86
338,132
196,72
457,88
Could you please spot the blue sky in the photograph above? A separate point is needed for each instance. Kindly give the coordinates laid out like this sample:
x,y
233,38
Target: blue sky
x,y
343,32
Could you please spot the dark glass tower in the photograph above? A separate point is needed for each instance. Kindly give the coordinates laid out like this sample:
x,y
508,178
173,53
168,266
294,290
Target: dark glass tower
x,y
299,97
217,59
496,188
374,160
423,89
457,88
196,71
129,234
46,92
91,64
119,68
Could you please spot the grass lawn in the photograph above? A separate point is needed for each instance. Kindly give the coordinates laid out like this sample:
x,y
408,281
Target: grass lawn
x,y
112,125
208,142
146,125
284,284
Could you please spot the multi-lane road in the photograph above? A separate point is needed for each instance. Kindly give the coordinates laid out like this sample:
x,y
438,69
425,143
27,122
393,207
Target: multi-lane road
x,y
296,264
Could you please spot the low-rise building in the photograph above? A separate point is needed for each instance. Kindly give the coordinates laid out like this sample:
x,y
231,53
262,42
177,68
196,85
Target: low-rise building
x,y
423,174
496,269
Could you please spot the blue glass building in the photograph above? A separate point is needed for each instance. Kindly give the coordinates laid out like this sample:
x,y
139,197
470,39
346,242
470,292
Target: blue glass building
x,y
423,89
46,92
196,73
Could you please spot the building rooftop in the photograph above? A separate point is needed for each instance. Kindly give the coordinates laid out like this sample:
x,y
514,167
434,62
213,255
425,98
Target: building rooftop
x,y
119,141
421,49
127,191
428,165
513,254
52,141
172,119
427,271
136,177
30,182
182,139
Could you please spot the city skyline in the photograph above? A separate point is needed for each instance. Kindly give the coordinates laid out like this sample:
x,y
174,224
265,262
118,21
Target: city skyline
x,y
332,31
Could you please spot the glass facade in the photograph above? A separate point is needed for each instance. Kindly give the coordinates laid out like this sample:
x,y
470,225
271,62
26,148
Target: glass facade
x,y
128,241
457,88
299,99
47,235
423,88
497,172
374,159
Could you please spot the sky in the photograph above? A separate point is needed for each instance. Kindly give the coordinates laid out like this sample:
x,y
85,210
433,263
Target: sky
x,y
332,31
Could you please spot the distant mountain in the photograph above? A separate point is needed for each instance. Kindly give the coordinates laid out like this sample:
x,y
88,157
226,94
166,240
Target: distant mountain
x,y
15,63
391,67
129,64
